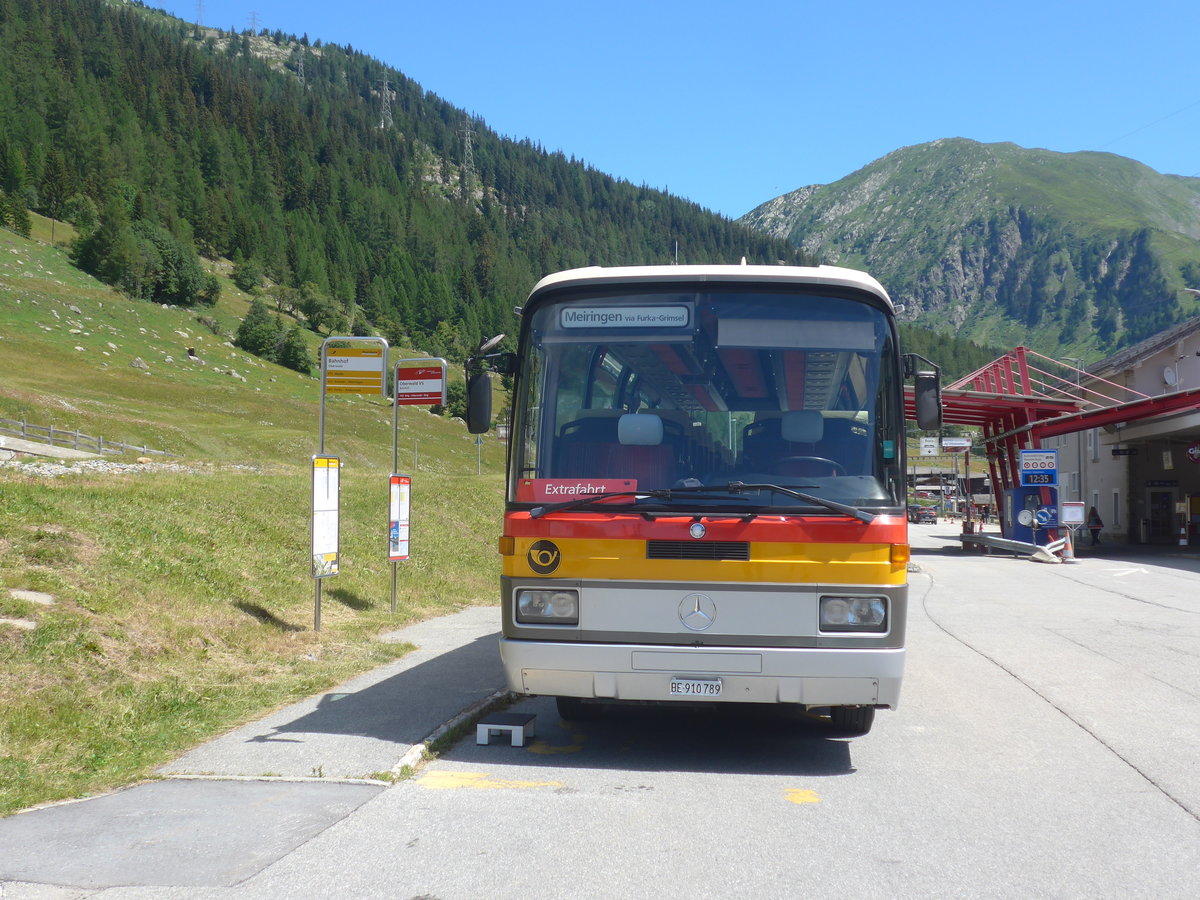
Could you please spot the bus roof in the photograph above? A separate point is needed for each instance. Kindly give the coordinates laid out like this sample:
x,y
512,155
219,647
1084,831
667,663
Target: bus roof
x,y
833,276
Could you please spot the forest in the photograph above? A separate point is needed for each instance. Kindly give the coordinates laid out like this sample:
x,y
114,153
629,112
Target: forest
x,y
337,187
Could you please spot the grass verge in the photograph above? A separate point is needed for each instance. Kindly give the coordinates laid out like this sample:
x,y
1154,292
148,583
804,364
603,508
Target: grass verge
x,y
183,607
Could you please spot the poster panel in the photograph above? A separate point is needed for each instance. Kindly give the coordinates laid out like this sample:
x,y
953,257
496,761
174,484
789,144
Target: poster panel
x,y
399,503
326,488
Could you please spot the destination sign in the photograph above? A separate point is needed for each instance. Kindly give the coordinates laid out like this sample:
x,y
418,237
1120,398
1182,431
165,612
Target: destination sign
x,y
625,317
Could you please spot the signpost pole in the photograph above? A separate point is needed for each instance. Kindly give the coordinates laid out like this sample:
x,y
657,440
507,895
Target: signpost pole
x,y
361,363
415,382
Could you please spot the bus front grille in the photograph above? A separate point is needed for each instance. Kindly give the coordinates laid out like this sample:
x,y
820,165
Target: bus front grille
x,y
698,550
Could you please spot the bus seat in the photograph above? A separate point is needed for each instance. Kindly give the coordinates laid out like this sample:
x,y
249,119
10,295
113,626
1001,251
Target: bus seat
x,y
803,431
767,441
802,426
628,445
846,440
585,447
640,430
642,455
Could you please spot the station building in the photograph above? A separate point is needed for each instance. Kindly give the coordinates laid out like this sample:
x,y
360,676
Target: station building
x,y
1143,474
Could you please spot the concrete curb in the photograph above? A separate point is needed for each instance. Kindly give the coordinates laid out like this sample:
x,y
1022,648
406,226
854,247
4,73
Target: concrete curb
x,y
416,753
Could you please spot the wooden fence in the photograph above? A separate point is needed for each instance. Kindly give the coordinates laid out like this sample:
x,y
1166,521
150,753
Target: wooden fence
x,y
58,437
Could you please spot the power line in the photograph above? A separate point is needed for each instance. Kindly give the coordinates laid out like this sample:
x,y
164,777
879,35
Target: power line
x,y
385,94
468,166
1150,124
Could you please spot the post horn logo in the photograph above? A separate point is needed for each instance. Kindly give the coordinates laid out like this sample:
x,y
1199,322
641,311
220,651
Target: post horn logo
x,y
543,557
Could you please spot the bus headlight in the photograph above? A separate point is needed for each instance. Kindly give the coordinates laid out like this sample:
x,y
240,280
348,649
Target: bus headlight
x,y
854,614
540,607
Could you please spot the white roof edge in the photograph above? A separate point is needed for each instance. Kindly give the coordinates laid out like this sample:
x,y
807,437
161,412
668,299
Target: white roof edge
x,y
833,276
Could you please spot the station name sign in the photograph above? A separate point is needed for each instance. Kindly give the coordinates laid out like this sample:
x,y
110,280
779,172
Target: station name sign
x,y
354,370
421,383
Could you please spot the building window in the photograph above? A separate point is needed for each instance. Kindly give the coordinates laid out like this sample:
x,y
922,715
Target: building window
x,y
1073,485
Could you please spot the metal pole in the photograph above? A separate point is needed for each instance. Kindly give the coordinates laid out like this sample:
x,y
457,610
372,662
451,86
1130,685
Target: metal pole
x,y
967,479
321,426
395,453
320,452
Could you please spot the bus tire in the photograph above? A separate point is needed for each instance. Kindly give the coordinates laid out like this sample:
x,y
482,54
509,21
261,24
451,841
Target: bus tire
x,y
852,721
574,709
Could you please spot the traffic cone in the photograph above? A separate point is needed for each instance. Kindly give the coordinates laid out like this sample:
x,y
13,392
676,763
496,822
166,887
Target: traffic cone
x,y
1183,541
1069,547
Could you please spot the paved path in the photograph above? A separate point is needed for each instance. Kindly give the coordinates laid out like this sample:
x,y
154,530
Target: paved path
x,y
17,445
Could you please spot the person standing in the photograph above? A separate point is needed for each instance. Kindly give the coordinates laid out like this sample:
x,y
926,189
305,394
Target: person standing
x,y
1094,524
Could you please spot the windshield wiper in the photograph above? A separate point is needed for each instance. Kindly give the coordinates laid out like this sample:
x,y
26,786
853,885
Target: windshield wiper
x,y
538,511
658,494
738,487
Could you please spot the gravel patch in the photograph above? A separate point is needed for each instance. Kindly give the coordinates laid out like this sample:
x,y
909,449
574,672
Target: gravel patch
x,y
42,469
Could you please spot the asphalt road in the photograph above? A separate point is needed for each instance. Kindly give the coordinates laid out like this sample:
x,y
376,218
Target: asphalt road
x,y
1045,747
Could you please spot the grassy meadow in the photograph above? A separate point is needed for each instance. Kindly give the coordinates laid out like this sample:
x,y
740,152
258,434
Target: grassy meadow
x,y
182,597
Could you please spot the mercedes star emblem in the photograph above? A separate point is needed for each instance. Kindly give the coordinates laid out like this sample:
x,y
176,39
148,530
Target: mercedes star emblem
x,y
697,612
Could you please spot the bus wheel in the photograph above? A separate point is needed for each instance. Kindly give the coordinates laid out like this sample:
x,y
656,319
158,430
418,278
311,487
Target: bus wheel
x,y
852,721
574,709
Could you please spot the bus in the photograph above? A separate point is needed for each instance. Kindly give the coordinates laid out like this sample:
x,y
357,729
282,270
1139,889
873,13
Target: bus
x,y
705,495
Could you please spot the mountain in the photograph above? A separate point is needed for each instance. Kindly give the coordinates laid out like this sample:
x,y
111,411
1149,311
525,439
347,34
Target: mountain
x,y
1076,252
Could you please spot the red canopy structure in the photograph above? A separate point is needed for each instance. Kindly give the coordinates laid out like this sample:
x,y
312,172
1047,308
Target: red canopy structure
x,y
1023,397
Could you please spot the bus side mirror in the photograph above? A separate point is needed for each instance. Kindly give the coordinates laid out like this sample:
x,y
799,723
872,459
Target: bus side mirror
x,y
479,402
927,395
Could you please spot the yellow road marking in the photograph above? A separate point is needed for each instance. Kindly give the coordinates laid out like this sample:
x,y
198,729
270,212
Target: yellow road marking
x,y
800,795
480,781
546,749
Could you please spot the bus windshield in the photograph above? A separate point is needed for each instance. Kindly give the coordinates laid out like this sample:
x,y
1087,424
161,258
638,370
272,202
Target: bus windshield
x,y
654,389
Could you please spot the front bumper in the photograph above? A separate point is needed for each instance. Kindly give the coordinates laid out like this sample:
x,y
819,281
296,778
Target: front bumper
x,y
811,677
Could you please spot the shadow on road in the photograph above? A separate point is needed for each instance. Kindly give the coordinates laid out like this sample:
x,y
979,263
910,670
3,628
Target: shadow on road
x,y
407,706
749,740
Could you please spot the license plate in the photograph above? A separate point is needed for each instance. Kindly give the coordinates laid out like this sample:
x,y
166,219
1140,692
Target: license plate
x,y
695,687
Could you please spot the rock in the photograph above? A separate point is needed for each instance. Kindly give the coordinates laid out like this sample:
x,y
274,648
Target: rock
x,y
144,459
39,597
139,363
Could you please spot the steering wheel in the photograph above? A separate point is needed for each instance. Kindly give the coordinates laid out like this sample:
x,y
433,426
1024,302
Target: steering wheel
x,y
818,461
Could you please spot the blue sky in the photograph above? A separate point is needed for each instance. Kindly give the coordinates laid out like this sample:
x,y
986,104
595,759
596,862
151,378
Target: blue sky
x,y
732,104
